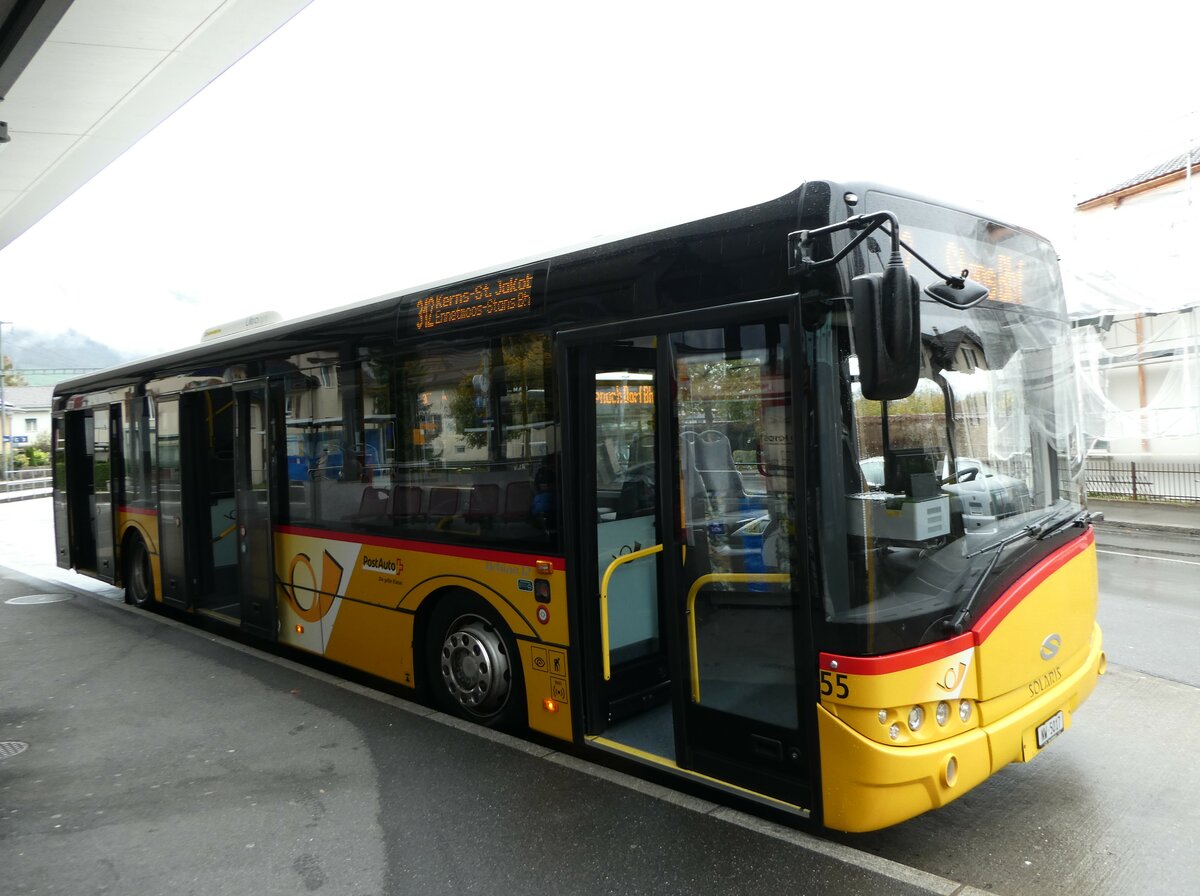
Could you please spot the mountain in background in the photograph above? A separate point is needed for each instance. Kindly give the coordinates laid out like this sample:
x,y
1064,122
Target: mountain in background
x,y
44,359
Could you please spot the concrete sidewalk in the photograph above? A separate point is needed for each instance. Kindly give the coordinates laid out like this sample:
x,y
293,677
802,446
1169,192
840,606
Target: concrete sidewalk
x,y
24,494
1148,516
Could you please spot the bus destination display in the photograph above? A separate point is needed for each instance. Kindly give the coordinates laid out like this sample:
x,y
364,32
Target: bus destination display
x,y
492,299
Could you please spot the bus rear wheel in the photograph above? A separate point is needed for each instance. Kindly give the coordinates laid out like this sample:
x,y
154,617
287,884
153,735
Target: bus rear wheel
x,y
472,663
139,575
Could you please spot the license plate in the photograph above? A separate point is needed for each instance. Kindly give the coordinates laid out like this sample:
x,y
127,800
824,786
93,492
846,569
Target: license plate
x,y
1050,729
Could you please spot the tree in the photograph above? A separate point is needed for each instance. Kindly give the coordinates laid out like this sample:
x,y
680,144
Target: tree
x,y
35,455
11,377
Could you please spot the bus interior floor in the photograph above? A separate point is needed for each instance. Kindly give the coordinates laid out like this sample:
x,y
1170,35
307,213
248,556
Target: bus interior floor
x,y
651,731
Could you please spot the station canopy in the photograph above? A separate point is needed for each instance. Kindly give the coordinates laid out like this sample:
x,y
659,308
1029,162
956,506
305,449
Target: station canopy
x,y
81,81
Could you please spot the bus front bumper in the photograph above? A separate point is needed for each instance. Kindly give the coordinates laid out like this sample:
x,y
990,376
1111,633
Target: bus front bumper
x,y
868,785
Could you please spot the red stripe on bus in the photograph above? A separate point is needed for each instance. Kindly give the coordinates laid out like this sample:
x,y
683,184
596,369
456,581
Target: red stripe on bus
x,y
140,511
424,547
898,662
995,614
986,624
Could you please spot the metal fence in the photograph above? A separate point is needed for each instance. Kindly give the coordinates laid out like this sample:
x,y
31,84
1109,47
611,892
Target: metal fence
x,y
1142,480
25,479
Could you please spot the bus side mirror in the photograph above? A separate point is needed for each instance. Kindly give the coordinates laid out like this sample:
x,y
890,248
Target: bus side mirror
x,y
959,292
887,333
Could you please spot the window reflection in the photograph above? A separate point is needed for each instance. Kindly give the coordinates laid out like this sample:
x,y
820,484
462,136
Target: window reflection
x,y
448,442
736,461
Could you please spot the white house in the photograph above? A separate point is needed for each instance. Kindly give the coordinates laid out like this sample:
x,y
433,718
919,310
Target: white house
x,y
1134,269
27,413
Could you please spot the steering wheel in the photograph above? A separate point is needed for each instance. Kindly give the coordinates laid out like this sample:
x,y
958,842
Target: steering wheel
x,y
966,474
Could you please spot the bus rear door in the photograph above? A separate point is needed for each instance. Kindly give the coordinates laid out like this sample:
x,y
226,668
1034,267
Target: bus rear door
x,y
79,493
107,477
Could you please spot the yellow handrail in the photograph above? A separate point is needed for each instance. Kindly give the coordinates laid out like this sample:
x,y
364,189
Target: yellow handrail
x,y
774,578
612,567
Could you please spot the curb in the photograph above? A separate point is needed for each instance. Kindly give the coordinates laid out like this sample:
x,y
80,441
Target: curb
x,y
23,496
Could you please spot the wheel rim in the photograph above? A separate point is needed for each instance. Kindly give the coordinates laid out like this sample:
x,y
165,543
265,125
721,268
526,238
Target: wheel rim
x,y
140,574
475,666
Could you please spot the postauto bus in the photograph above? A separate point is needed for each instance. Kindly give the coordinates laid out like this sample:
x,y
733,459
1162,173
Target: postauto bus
x,y
784,503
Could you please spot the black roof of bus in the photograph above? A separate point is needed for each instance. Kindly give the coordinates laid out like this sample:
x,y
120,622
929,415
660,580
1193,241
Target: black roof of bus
x,y
232,348
366,314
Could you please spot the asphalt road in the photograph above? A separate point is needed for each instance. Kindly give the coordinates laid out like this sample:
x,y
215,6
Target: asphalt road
x,y
164,759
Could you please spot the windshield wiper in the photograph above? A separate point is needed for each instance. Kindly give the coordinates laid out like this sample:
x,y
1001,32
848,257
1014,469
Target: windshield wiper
x,y
1048,527
1043,528
1033,530
957,625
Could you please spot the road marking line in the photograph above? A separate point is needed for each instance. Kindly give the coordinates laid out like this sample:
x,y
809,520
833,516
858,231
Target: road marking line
x,y
1148,557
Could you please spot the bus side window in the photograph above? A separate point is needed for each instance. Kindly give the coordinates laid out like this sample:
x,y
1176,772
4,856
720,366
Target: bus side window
x,y
472,427
320,487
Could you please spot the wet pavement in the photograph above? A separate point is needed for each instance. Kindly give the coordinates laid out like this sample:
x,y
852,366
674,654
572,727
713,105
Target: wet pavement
x,y
162,758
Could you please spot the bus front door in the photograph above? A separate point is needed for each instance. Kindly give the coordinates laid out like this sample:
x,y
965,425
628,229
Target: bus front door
x,y
627,536
255,463
699,629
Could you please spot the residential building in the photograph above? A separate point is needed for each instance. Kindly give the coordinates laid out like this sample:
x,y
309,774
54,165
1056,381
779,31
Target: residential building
x,y
1141,338
27,414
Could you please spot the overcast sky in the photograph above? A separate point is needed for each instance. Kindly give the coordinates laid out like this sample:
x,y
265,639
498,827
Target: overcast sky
x,y
365,147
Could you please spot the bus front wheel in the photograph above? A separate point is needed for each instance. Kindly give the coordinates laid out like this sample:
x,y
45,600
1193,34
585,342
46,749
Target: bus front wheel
x,y
139,575
472,664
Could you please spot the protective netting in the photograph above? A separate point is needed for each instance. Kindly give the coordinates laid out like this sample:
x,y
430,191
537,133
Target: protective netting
x,y
1140,377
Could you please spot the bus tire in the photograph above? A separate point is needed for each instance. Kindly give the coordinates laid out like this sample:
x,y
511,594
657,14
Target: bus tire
x,y
139,574
472,664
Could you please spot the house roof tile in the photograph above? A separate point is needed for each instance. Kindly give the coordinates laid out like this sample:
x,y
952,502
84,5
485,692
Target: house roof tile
x,y
1170,166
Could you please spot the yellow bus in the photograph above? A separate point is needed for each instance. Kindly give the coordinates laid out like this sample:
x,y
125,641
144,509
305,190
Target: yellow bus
x,y
784,503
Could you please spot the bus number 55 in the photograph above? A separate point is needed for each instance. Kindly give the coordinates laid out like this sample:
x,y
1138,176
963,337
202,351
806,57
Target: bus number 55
x,y
830,681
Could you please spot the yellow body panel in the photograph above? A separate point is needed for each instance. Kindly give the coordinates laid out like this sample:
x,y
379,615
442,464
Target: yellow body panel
x,y
376,640
857,699
356,602
1037,654
1062,607
867,785
545,669
1012,736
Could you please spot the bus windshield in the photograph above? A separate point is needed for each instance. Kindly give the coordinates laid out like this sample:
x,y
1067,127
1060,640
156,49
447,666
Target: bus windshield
x,y
937,497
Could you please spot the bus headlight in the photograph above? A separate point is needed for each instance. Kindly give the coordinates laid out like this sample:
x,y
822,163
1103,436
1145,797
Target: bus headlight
x,y
943,713
916,716
894,731
964,710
